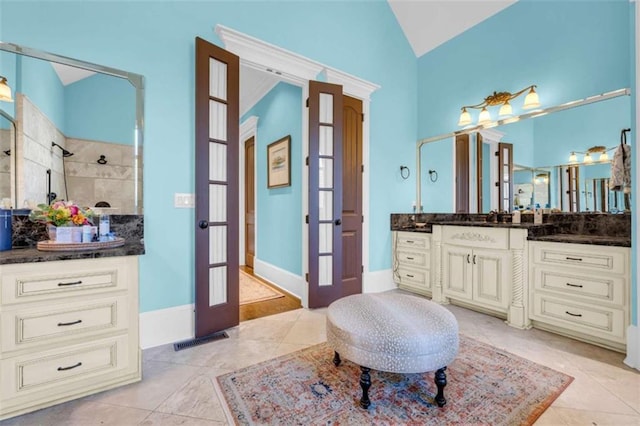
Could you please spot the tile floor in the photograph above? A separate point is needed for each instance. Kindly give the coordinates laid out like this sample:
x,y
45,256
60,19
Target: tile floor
x,y
177,388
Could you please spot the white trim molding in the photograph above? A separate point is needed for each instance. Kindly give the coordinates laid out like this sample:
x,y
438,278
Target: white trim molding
x,y
377,281
633,347
168,325
351,85
288,281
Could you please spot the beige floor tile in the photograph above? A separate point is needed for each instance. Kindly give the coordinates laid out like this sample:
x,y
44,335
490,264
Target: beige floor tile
x,y
551,417
307,332
163,419
599,418
196,398
160,379
268,328
287,348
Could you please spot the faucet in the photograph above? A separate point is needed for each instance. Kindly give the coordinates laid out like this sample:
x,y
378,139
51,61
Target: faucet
x,y
492,216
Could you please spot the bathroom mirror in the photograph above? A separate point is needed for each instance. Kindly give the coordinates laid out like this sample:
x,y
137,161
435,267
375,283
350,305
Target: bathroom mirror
x,y
543,144
78,132
7,146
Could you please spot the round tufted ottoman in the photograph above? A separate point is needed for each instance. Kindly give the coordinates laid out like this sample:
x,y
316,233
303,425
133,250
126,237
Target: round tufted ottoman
x,y
393,332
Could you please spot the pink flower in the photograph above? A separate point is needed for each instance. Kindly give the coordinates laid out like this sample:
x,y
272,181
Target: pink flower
x,y
73,210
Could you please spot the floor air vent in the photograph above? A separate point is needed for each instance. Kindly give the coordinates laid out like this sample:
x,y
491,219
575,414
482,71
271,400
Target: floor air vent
x,y
199,341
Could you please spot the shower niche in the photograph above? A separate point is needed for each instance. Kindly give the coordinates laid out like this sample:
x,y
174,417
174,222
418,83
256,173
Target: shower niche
x,y
78,134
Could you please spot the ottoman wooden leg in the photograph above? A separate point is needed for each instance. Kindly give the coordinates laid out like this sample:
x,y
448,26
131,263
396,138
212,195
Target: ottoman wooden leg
x,y
365,383
336,359
441,382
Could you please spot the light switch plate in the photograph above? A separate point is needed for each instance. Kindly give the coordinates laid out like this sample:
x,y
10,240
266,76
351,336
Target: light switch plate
x,y
184,201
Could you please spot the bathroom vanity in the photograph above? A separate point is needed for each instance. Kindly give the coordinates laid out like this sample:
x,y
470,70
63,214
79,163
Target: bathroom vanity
x,y
548,276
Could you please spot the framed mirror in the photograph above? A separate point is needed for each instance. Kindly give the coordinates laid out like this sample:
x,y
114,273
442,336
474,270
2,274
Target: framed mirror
x,y
541,150
78,132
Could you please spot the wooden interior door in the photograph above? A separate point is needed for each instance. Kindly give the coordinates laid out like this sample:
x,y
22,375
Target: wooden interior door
x,y
352,197
505,176
462,173
479,173
325,193
216,239
249,202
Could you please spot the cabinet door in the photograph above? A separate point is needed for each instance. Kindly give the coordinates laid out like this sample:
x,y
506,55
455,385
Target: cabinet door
x,y
456,272
491,277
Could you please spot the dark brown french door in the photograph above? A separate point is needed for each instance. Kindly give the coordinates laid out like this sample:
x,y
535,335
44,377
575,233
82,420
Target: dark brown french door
x,y
505,176
462,173
216,239
325,193
352,197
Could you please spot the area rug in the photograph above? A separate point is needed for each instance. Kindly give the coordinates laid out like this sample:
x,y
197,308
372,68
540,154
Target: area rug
x,y
252,290
485,386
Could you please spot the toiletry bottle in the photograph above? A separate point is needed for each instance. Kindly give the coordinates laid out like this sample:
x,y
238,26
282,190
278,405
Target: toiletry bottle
x,y
537,216
104,227
515,216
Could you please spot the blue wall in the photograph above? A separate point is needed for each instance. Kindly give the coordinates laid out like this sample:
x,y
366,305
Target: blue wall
x,y
156,39
101,108
279,210
8,70
40,83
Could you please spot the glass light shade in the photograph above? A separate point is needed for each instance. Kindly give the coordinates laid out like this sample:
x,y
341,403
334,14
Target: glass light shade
x,y
485,116
5,91
465,118
573,158
587,158
532,100
505,109
604,156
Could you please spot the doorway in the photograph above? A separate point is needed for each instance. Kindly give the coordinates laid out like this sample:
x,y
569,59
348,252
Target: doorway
x,y
249,204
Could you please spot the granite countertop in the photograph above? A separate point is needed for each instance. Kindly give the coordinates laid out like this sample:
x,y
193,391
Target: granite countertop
x,y
598,240
526,225
32,255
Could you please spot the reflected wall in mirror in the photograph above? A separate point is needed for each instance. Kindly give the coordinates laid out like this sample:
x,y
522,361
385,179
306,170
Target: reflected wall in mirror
x,y
79,131
7,146
542,146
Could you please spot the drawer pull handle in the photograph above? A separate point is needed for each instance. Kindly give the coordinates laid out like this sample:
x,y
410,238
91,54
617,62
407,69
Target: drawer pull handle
x,y
573,315
71,367
71,283
63,324
474,259
409,242
574,258
574,285
409,276
409,258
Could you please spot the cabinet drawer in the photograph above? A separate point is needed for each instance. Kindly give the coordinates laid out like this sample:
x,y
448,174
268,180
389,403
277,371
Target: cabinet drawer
x,y
600,258
62,368
32,326
570,283
50,280
414,259
413,240
594,320
476,236
413,277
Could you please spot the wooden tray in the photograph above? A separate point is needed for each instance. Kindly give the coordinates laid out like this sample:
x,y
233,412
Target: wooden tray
x,y
49,245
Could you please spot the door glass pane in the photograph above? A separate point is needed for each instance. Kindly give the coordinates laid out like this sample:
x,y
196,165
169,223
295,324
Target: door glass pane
x,y
217,79
325,268
217,244
217,121
326,140
326,173
217,285
325,204
217,161
326,237
326,108
217,203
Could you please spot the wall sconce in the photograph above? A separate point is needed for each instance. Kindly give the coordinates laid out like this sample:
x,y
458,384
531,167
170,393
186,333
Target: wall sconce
x,y
588,157
542,178
499,98
5,90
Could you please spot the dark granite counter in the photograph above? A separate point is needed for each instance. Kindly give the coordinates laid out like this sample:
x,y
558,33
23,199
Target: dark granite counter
x,y
576,228
33,255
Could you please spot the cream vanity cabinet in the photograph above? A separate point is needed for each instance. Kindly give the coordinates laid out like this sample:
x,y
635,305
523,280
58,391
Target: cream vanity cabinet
x,y
581,291
412,261
68,329
483,268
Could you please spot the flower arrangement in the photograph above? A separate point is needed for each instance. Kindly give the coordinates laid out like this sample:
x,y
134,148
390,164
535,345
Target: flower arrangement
x,y
62,213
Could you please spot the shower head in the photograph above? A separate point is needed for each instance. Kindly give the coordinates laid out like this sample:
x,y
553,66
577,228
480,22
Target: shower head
x,y
65,153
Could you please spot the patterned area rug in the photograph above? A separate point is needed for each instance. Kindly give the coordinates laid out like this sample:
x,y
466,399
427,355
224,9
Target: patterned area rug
x,y
486,386
252,290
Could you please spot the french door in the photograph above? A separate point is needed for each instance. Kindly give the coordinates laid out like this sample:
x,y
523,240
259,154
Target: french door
x,y
216,239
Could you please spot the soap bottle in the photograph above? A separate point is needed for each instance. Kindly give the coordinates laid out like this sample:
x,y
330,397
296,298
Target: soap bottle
x,y
104,227
537,216
515,216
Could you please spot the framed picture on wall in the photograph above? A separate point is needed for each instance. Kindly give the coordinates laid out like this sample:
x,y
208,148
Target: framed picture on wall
x,y
279,163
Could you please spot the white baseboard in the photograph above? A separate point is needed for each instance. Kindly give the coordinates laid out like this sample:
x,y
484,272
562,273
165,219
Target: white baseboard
x,y
377,281
169,325
288,281
633,347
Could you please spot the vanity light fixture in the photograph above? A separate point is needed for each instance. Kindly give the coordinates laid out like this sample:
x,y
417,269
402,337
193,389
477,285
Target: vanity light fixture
x,y
499,98
588,155
5,90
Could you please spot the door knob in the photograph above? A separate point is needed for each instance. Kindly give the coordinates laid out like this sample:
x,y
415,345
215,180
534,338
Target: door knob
x,y
203,224
338,222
